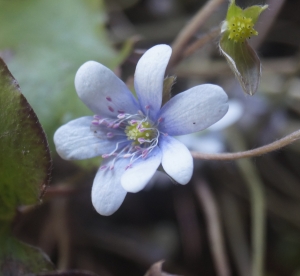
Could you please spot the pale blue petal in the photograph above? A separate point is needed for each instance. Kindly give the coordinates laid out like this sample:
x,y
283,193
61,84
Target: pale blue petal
x,y
75,140
136,177
107,192
149,78
193,110
177,160
102,91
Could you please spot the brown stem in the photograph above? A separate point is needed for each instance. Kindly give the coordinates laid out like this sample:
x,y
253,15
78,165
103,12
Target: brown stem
x,y
250,153
190,29
213,33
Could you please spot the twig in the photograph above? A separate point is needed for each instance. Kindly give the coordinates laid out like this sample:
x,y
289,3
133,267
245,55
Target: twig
x,y
213,33
189,30
214,227
289,139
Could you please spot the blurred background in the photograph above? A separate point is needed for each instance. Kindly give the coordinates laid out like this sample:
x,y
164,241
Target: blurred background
x,y
203,228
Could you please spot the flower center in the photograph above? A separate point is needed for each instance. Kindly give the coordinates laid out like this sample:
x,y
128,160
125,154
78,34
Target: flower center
x,y
240,28
139,132
136,128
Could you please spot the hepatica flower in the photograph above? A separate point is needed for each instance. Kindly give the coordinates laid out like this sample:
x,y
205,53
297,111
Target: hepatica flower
x,y
135,136
243,60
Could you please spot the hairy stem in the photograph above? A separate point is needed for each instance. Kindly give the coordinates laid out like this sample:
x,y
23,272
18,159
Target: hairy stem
x,y
289,139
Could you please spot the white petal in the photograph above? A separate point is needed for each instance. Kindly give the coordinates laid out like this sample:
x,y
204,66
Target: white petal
x,y
149,78
102,91
177,160
193,110
75,140
107,192
136,178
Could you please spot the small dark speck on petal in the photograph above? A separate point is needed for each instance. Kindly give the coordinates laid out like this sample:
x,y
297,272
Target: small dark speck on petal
x,y
194,123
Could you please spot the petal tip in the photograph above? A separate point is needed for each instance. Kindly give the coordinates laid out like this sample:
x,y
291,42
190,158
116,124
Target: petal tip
x,y
86,74
105,207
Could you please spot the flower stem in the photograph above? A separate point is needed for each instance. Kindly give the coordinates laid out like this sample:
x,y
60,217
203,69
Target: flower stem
x,y
190,29
289,139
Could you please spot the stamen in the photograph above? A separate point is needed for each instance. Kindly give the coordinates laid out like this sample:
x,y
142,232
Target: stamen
x,y
109,135
144,153
121,116
141,140
104,122
95,122
240,28
137,128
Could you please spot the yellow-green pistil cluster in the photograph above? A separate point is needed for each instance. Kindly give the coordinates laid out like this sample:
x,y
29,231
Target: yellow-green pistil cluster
x,y
240,28
139,132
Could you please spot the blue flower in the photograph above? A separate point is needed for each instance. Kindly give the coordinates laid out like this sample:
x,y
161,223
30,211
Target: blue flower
x,y
135,136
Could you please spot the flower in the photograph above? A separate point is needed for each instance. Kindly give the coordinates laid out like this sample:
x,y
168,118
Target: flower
x,y
135,136
236,29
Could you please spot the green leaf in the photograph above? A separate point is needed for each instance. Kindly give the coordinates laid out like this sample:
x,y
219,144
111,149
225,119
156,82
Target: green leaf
x,y
17,258
24,155
243,61
46,42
